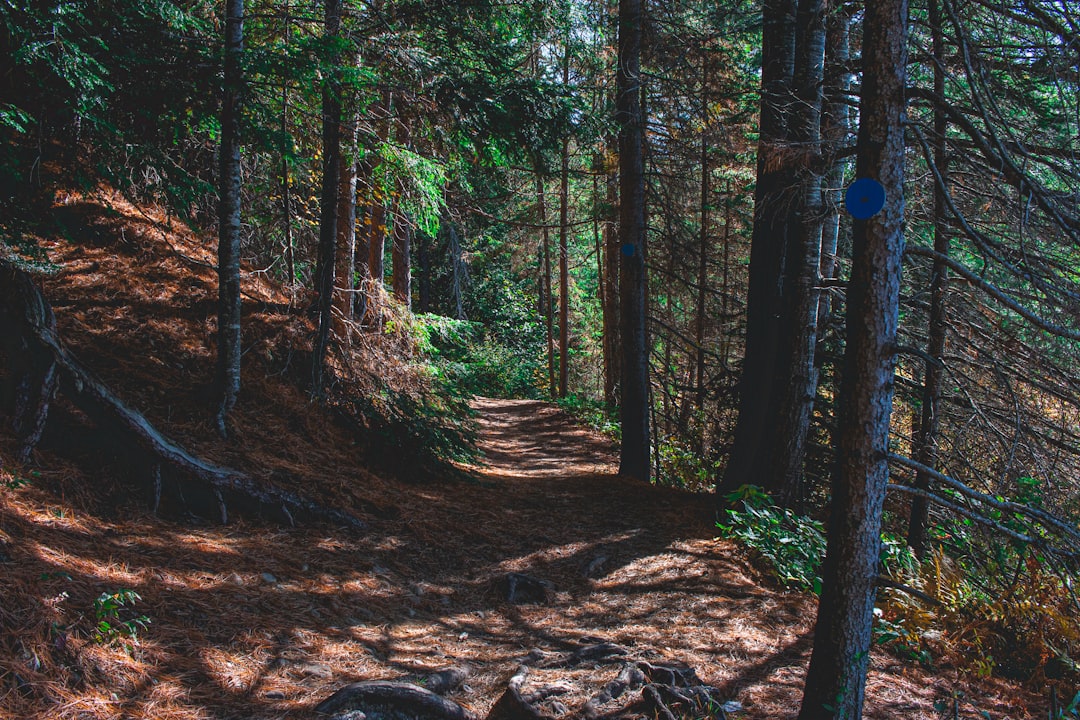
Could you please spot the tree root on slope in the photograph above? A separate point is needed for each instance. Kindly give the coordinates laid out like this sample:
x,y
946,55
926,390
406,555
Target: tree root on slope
x,y
40,366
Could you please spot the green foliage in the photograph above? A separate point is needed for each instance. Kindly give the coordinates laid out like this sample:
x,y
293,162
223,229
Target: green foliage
x,y
682,466
468,357
14,482
1070,711
422,179
113,619
793,545
592,413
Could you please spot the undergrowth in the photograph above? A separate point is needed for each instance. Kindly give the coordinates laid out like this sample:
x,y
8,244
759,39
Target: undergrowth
x,y
592,413
468,359
992,607
791,545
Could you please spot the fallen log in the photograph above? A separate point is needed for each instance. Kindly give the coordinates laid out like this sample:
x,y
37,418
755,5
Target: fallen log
x,y
37,357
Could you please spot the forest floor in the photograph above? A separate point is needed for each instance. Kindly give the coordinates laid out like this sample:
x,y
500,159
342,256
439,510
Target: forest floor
x,y
251,620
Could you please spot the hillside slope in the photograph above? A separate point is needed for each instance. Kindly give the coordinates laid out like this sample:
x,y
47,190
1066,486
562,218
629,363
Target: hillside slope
x,y
257,620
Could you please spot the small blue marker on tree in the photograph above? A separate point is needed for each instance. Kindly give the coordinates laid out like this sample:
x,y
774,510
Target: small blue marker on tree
x,y
864,198
628,249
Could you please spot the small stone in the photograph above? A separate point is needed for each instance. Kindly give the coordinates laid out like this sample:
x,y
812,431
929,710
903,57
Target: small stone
x,y
235,579
275,695
731,706
267,577
558,708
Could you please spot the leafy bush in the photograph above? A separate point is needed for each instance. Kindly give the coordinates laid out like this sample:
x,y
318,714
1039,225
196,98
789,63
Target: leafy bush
x,y
470,358
793,545
682,466
591,412
114,619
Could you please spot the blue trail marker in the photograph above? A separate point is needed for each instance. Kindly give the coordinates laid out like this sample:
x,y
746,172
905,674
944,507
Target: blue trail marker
x,y
628,249
864,198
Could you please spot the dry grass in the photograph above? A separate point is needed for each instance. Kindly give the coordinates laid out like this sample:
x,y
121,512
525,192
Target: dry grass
x,y
250,620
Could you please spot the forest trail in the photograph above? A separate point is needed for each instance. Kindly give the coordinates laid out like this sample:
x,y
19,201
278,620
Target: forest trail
x,y
256,620
533,439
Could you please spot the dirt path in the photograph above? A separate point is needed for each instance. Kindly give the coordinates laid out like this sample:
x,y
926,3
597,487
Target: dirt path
x,y
529,438
252,620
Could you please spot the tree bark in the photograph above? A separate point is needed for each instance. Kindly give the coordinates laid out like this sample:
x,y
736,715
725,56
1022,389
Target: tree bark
x,y
377,243
362,236
634,406
796,381
836,678
835,124
286,189
564,272
610,281
401,258
925,450
545,283
325,268
345,271
227,376
751,451
424,258
564,252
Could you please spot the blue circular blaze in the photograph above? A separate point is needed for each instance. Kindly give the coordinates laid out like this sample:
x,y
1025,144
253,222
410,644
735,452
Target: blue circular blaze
x,y
864,198
628,249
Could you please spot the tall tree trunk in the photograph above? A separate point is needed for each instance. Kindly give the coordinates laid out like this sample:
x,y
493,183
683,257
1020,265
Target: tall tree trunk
x,y
835,124
286,190
328,222
424,258
634,406
564,252
564,272
703,243
227,376
401,257
925,450
362,236
610,281
457,266
377,239
545,281
345,284
836,678
751,451
797,375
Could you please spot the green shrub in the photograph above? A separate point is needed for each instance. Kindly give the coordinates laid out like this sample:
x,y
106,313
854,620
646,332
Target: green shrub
x,y
113,617
682,466
591,412
792,545
467,356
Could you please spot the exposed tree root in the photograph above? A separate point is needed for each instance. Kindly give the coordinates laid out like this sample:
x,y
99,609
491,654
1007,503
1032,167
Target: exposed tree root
x,y
382,700
39,363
